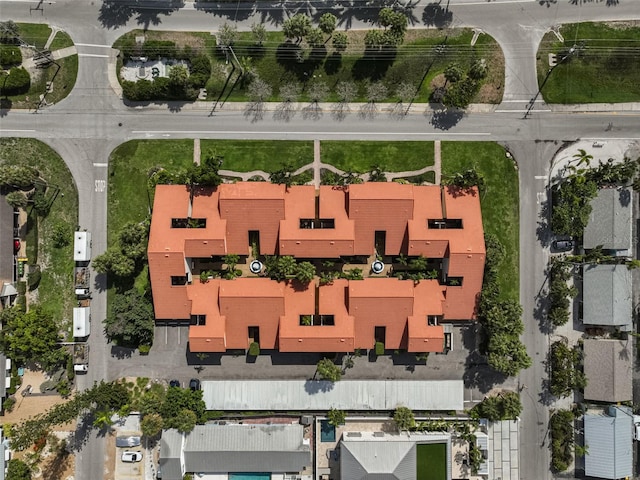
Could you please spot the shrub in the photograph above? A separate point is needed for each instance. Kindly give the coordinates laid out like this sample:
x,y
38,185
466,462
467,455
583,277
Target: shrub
x,y
254,349
144,349
159,48
10,55
379,348
8,404
21,287
34,277
61,235
561,428
16,83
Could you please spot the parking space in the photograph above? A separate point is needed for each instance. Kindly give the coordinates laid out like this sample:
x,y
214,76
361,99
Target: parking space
x,y
129,428
169,336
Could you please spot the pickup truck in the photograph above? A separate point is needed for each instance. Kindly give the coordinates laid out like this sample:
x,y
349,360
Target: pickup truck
x,y
80,358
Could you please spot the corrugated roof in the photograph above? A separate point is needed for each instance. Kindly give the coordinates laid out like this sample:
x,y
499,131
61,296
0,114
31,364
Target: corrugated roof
x,y
607,295
610,220
610,444
169,462
6,241
362,395
608,368
246,448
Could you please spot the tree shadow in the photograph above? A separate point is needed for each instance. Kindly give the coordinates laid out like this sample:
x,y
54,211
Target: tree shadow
x,y
446,119
284,112
340,111
374,64
368,111
333,64
80,437
175,106
545,397
547,3
543,230
121,352
313,111
5,106
317,386
115,13
57,465
254,111
435,15
478,374
232,11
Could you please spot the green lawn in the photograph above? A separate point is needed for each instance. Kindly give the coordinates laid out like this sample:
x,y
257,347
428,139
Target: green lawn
x,y
129,198
56,286
500,202
61,40
266,155
391,156
34,34
605,70
431,461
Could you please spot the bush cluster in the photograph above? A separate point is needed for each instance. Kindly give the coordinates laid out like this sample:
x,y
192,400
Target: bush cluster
x,y
566,373
505,406
560,293
561,427
16,82
157,89
10,55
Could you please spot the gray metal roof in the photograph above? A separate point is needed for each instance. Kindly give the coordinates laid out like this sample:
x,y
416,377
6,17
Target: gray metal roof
x,y
607,295
610,445
312,395
235,448
610,220
391,457
6,241
170,464
608,368
3,385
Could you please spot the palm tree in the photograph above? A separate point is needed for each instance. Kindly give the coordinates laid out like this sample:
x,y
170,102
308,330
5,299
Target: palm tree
x,y
103,419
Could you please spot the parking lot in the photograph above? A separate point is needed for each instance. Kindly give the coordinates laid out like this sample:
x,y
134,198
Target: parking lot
x,y
129,470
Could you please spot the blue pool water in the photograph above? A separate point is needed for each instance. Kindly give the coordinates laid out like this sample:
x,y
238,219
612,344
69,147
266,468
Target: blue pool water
x,y
250,476
327,431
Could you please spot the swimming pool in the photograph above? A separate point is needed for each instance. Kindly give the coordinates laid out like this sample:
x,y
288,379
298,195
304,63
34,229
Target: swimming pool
x,y
327,431
250,476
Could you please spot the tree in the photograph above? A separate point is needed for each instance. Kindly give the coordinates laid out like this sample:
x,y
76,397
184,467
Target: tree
x,y
572,205
346,91
453,73
290,92
376,173
31,337
18,176
259,90
9,31
17,199
395,24
283,176
478,69
336,417
186,421
130,321
259,33
406,92
305,271
376,92
151,425
113,261
404,418
460,94
327,370
318,91
133,239
151,400
340,41
103,419
206,173
296,27
327,23
17,469
583,157
314,37
374,39
227,35
280,268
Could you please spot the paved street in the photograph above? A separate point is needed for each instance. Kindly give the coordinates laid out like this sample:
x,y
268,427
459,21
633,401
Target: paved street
x,y
84,129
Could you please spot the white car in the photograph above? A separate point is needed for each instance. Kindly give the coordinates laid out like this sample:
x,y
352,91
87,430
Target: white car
x,y
131,457
636,427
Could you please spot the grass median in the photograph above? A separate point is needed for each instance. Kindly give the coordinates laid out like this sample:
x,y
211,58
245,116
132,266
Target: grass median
x,y
603,67
360,156
500,200
265,155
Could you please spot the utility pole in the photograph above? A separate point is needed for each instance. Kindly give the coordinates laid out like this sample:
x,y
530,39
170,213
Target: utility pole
x,y
533,100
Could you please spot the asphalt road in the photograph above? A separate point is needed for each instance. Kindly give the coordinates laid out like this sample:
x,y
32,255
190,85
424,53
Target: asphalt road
x,y
84,129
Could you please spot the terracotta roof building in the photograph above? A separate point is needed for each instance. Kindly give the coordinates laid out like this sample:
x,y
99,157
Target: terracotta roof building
x,y
354,225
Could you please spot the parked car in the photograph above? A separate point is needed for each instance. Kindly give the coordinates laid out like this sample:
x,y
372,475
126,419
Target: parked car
x,y
174,383
131,457
194,384
563,245
636,427
16,246
128,442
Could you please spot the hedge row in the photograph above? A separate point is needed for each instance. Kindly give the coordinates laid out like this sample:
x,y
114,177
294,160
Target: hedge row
x,y
16,82
10,56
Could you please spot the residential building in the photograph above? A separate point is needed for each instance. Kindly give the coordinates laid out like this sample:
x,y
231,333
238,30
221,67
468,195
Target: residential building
x,y
8,291
236,450
609,442
609,224
608,368
355,225
607,296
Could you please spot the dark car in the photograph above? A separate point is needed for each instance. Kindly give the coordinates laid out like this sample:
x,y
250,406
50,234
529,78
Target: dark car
x,y
563,245
194,384
174,383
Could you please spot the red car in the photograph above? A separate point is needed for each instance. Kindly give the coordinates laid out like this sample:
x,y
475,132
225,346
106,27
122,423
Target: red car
x,y
16,246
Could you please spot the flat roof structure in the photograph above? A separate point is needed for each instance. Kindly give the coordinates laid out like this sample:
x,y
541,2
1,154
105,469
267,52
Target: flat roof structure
x,y
608,368
609,224
607,296
608,437
190,229
365,395
6,242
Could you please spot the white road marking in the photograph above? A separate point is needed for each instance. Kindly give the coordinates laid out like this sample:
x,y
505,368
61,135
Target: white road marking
x,y
92,45
11,130
540,177
92,55
522,111
540,197
243,132
100,185
100,164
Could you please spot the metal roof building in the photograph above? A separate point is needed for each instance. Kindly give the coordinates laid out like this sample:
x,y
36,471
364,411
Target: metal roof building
x,y
608,368
350,395
607,296
235,448
392,457
610,444
610,220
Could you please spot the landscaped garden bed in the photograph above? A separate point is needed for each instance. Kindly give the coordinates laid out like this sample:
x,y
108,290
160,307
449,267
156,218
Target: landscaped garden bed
x,y
291,68
602,68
